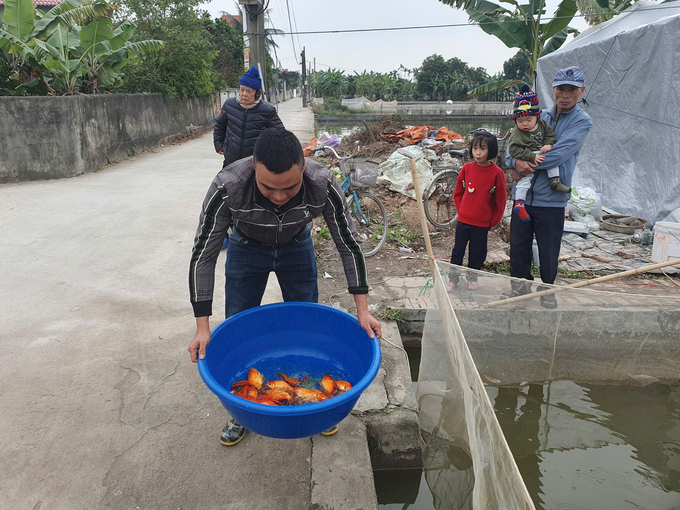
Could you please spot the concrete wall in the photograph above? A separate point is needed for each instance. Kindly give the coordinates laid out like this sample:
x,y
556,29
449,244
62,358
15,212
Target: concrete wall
x,y
54,137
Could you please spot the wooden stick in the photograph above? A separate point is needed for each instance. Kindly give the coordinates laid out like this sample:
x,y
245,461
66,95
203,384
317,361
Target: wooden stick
x,y
639,270
421,213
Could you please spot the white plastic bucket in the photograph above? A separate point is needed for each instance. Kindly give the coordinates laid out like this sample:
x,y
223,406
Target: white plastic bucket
x,y
666,241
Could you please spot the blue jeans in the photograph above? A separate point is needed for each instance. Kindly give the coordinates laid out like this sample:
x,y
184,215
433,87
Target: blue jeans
x,y
249,264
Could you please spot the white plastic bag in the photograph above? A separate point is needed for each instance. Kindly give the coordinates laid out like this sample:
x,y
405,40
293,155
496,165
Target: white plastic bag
x,y
585,206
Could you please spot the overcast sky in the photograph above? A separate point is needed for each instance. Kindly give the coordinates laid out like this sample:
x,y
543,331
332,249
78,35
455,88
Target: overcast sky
x,y
381,51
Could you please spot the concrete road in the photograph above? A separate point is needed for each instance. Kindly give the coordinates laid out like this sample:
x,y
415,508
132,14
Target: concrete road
x,y
101,407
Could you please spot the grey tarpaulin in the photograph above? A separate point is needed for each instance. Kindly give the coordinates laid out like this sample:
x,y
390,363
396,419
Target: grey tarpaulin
x,y
632,69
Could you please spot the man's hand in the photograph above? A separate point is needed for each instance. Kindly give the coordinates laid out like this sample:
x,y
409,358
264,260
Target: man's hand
x,y
220,152
201,339
524,167
366,320
539,158
545,148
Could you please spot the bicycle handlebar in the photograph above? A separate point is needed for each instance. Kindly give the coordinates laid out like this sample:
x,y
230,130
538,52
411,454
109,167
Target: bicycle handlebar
x,y
328,148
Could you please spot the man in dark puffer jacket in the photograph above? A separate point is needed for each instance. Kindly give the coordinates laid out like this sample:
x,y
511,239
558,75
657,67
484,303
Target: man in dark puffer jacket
x,y
243,118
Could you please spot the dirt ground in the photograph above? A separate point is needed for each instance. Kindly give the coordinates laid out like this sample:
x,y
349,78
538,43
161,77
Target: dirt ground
x,y
390,261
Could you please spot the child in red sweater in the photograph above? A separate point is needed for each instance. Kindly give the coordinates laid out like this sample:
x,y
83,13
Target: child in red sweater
x,y
480,200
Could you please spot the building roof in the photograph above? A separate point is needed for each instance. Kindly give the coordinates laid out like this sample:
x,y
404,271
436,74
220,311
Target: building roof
x,y
41,3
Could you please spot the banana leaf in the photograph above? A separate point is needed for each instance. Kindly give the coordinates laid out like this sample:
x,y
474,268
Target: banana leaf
x,y
19,16
72,14
563,16
143,47
513,33
493,87
557,40
122,34
94,35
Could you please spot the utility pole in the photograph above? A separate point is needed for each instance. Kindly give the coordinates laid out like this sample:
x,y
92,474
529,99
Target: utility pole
x,y
254,45
304,79
314,77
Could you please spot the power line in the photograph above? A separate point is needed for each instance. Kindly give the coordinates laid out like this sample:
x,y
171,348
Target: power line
x,y
452,25
291,33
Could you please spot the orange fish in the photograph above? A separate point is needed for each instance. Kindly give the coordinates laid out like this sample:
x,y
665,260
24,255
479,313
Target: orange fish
x,y
290,380
238,385
309,394
342,386
327,384
264,399
280,385
278,395
255,378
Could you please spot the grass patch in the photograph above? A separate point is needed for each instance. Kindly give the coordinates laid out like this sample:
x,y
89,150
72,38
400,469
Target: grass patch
x,y
389,314
324,233
400,233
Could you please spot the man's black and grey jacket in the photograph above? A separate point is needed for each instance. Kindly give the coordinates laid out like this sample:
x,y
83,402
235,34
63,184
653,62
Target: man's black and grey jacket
x,y
231,200
236,128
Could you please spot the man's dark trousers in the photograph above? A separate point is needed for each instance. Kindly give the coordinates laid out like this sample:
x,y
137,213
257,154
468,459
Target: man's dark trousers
x,y
547,224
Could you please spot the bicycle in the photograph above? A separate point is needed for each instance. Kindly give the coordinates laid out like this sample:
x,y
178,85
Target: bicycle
x,y
440,208
367,211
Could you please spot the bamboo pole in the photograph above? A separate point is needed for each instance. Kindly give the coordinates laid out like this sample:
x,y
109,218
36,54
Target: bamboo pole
x,y
421,209
576,285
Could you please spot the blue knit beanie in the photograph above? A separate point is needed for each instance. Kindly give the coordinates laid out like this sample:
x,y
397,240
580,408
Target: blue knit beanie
x,y
526,103
251,79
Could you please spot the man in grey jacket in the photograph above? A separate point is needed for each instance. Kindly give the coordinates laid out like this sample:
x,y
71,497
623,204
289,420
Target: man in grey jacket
x,y
545,206
270,199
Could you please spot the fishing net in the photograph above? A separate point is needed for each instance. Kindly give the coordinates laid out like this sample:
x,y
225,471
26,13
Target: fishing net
x,y
474,346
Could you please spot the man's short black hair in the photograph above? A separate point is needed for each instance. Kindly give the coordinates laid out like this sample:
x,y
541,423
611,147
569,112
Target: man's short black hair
x,y
278,150
482,135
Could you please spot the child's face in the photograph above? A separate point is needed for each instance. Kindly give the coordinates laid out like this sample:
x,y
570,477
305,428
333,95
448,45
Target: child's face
x,y
527,123
480,152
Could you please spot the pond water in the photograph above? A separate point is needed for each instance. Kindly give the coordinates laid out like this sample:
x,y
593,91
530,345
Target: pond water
x,y
497,126
577,446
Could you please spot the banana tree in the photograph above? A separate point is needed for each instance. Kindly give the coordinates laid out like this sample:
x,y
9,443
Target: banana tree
x,y
519,27
73,48
598,11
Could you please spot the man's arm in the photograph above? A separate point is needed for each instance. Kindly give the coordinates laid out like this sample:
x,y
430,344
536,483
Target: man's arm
x,y
569,143
212,229
201,339
220,131
370,324
343,232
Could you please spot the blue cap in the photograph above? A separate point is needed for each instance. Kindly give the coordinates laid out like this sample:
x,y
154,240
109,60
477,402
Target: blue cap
x,y
570,76
251,79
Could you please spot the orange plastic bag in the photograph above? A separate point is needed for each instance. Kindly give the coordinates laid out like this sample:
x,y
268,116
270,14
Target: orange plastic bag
x,y
307,151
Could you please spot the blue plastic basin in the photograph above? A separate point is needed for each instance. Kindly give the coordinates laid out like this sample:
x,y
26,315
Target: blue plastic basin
x,y
293,338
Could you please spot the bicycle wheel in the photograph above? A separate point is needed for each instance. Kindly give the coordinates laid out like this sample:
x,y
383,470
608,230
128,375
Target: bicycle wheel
x,y
370,220
440,209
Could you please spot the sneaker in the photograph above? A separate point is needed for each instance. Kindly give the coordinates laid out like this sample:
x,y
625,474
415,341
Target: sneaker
x,y
473,285
232,433
450,286
330,431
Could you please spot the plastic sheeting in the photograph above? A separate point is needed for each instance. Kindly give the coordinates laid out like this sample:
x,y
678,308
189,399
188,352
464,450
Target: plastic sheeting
x,y
395,172
361,103
591,337
632,70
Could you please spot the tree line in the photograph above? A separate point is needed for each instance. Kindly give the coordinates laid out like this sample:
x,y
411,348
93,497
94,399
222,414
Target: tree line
x,y
173,48
436,79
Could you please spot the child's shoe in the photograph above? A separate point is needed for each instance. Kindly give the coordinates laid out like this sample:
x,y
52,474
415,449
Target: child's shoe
x,y
520,211
450,286
556,185
232,433
473,285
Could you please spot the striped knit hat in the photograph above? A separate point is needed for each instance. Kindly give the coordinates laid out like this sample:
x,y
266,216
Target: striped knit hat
x,y
526,103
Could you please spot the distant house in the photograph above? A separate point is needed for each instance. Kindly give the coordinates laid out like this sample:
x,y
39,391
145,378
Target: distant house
x,y
234,21
43,5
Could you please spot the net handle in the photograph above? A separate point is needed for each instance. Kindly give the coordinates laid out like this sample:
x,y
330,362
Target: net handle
x,y
630,272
